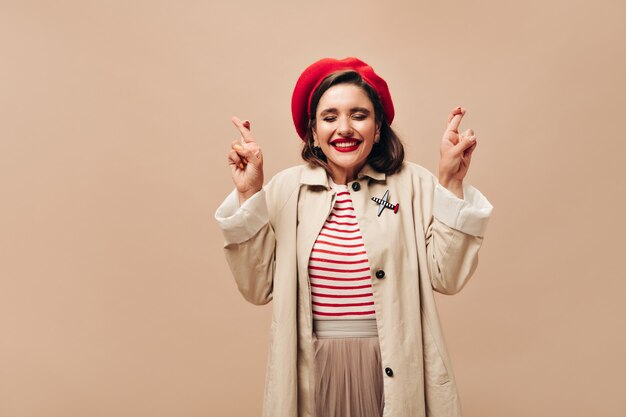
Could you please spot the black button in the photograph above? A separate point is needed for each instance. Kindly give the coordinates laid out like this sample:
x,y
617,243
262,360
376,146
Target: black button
x,y
388,371
380,274
356,186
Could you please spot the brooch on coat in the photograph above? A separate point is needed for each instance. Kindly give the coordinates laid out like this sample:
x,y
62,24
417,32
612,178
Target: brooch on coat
x,y
384,203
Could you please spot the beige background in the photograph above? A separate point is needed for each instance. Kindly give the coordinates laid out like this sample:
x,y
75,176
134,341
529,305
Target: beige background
x,y
115,298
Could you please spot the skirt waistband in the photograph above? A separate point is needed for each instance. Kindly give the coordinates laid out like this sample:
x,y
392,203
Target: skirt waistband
x,y
345,328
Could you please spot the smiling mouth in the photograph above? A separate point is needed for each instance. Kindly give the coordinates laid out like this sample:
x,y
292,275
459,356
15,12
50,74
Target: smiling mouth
x,y
345,145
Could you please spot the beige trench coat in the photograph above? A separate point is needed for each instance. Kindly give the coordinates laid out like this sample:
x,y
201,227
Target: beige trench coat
x,y
418,253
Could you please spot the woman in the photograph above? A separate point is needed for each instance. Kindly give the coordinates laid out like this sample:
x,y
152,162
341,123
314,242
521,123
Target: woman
x,y
350,247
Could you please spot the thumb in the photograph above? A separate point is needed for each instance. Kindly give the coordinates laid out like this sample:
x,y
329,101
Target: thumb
x,y
468,153
241,151
250,151
464,144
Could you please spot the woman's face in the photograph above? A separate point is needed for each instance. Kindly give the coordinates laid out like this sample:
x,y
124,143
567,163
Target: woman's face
x,y
345,129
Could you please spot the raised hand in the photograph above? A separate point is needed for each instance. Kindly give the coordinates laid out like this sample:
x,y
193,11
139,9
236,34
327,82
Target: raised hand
x,y
455,153
246,162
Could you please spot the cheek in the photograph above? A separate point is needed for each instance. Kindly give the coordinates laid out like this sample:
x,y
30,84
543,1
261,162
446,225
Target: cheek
x,y
368,129
324,135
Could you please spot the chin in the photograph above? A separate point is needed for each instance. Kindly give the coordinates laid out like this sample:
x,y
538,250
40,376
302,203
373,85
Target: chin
x,y
347,164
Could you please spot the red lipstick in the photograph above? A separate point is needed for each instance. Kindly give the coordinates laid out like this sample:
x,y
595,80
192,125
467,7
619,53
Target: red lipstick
x,y
345,144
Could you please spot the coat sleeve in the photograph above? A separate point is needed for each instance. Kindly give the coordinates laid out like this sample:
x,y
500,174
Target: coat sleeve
x,y
454,237
249,245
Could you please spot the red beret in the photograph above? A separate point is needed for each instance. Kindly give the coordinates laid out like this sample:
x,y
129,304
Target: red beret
x,y
313,76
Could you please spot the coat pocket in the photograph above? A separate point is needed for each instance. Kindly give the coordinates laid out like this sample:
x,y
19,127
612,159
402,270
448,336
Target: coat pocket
x,y
435,372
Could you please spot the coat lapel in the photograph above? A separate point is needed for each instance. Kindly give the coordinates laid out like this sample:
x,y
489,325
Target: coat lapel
x,y
316,199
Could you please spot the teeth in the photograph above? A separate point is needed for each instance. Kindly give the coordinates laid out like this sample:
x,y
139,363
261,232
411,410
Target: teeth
x,y
345,144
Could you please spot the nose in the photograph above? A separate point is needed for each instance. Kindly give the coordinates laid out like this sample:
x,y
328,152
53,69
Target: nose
x,y
345,127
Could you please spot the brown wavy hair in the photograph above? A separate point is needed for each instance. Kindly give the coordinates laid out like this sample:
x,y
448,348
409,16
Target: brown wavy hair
x,y
386,156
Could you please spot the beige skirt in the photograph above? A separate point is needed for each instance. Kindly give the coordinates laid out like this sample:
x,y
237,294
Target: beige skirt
x,y
348,369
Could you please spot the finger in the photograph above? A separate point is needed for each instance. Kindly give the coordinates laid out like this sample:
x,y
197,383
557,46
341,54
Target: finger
x,y
236,145
471,148
468,133
240,150
452,113
455,121
464,144
235,159
245,131
468,151
246,124
246,149
250,152
257,153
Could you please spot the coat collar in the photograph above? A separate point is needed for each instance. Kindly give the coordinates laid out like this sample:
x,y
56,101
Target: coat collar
x,y
316,175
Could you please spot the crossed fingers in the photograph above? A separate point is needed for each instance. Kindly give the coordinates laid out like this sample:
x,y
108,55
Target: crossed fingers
x,y
463,141
245,147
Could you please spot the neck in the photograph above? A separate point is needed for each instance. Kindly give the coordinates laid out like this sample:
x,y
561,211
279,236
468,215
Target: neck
x,y
341,175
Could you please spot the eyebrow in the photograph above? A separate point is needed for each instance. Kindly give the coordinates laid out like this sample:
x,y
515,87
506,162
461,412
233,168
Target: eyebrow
x,y
352,110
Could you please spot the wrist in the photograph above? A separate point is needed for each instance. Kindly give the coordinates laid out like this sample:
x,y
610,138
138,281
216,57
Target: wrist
x,y
244,196
453,185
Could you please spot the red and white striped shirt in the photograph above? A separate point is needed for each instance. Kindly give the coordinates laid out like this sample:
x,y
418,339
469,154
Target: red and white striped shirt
x,y
339,270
